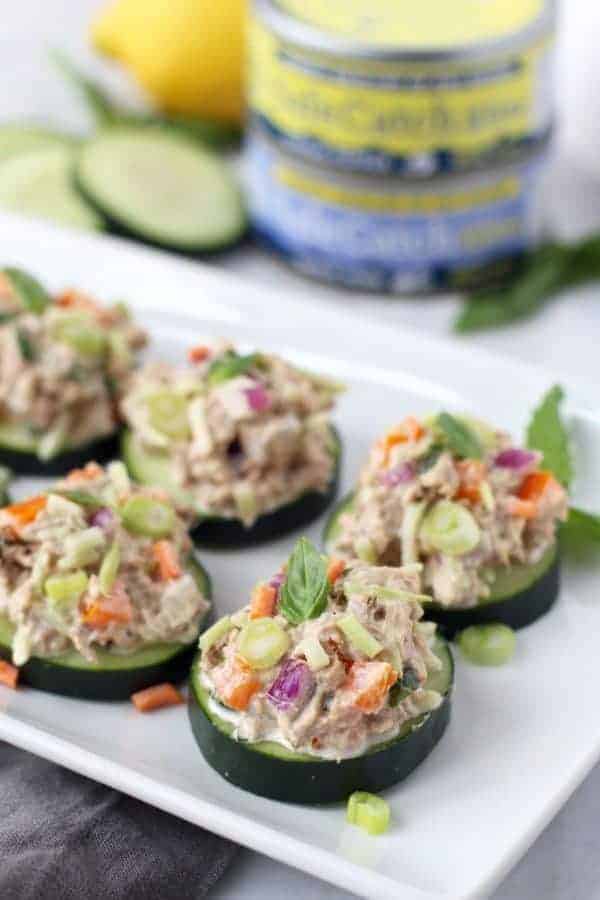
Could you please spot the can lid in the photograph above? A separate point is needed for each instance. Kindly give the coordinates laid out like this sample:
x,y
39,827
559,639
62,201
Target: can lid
x,y
408,28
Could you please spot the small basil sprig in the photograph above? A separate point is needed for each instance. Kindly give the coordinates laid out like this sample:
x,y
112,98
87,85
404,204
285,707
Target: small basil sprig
x,y
230,365
304,592
547,433
29,292
458,437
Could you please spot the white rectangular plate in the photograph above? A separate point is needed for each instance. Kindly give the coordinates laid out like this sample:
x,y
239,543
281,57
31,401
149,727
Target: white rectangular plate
x,y
522,737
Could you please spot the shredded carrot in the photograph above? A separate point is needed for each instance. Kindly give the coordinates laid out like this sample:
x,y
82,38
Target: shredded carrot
x,y
335,569
471,473
264,597
369,683
522,509
198,354
156,697
239,685
9,674
27,511
165,558
536,484
90,471
105,611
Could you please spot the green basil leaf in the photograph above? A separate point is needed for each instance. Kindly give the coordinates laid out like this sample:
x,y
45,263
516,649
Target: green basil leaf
x,y
82,498
304,592
429,459
547,433
25,345
29,292
230,365
459,438
580,534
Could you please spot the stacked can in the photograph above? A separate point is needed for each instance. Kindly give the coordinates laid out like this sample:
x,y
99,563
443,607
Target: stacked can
x,y
399,145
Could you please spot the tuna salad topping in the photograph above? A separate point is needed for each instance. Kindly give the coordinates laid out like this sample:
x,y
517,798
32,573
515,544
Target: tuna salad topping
x,y
327,659
96,563
240,435
456,495
63,361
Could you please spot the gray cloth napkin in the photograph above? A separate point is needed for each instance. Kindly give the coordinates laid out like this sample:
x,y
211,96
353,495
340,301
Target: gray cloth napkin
x,y
64,837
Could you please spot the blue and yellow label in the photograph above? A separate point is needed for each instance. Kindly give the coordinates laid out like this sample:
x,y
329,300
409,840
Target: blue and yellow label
x,y
383,116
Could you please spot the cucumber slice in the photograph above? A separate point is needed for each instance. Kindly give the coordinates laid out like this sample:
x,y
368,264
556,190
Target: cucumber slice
x,y
39,183
519,595
272,770
162,188
19,451
211,531
115,676
16,139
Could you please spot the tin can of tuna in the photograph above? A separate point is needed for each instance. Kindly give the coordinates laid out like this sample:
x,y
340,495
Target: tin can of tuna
x,y
392,86
395,234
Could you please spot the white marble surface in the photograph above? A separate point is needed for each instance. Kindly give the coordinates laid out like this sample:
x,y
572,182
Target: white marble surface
x,y
564,864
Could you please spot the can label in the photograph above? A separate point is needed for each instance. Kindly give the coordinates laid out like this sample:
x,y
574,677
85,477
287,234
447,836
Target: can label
x,y
402,237
406,116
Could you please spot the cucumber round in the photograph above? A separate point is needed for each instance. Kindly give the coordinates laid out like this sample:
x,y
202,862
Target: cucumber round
x,y
519,594
115,676
271,770
39,183
18,451
162,188
17,138
211,531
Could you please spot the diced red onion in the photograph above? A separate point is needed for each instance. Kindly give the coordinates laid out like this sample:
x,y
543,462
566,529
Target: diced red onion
x,y
103,518
515,458
398,475
258,398
293,684
277,580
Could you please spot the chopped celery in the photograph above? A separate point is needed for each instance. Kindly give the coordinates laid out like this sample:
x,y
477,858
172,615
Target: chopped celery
x,y
119,348
82,548
369,812
245,500
81,333
487,497
366,551
262,643
52,442
117,472
215,633
65,590
312,649
168,413
109,568
488,645
485,433
358,636
148,517
411,523
450,528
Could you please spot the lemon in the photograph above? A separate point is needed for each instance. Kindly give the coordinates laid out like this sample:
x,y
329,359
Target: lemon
x,y
188,55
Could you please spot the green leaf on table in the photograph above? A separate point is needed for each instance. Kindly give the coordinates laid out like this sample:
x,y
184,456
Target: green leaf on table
x,y
580,534
547,433
460,439
304,592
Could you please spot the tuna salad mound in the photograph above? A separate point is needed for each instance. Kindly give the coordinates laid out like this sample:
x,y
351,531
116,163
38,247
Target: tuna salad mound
x,y
63,362
327,659
94,565
459,497
233,436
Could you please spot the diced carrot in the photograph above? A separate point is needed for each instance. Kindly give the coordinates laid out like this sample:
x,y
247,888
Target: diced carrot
x,y
9,674
522,509
369,683
167,562
90,471
27,511
198,354
536,484
471,473
335,569
105,611
239,684
71,298
156,697
408,431
264,597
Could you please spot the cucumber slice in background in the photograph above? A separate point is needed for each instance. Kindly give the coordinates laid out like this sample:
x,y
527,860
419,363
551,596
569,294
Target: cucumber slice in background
x,y
212,531
115,676
162,188
18,451
519,594
272,770
17,138
39,183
